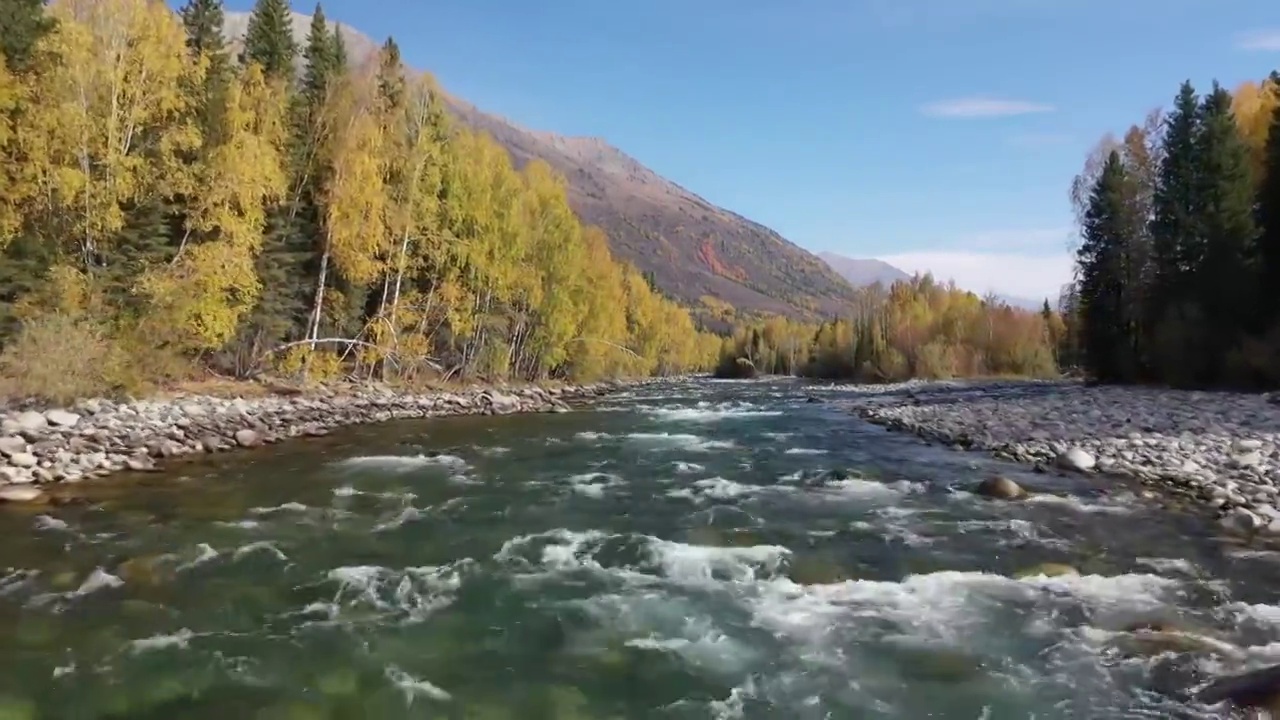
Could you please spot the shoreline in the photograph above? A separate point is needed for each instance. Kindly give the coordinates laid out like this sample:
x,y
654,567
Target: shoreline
x,y
94,438
1219,450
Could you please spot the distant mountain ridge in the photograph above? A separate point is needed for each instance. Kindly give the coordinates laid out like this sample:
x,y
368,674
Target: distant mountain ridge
x,y
692,247
861,272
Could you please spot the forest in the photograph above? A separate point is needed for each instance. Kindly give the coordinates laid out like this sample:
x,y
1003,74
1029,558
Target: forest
x,y
172,206
1179,260
168,205
913,329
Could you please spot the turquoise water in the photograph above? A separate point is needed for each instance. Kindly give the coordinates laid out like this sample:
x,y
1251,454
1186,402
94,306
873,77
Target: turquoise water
x,y
705,550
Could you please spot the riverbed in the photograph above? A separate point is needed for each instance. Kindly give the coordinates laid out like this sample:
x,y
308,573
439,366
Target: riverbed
x,y
697,550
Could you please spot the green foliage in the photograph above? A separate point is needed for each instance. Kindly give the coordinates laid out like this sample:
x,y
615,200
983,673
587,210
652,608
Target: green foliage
x,y
268,41
1176,291
23,23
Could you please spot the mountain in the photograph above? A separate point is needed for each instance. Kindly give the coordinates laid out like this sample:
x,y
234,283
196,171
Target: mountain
x,y
692,247
859,272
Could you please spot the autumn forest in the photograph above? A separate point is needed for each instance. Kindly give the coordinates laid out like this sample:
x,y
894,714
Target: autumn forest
x,y
1179,263
174,203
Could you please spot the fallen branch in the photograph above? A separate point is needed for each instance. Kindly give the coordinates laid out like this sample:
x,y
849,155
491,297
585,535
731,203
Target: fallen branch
x,y
344,341
627,350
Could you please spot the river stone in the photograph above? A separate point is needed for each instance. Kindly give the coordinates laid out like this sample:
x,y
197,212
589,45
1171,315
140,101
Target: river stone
x,y
248,438
30,421
1076,459
1001,488
22,460
62,418
1254,689
20,494
12,445
1047,570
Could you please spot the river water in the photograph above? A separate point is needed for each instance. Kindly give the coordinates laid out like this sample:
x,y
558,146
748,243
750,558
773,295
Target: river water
x,y
701,550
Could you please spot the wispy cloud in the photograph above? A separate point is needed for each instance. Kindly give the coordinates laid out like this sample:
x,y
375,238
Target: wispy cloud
x,y
1031,263
983,107
1039,140
1024,275
1259,41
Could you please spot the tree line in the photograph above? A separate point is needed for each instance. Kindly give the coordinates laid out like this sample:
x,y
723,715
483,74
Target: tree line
x,y
1179,259
165,204
916,328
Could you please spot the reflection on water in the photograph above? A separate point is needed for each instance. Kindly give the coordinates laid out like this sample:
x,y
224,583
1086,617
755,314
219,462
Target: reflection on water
x,y
721,550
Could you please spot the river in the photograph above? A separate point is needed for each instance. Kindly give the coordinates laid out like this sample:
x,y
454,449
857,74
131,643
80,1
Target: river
x,y
700,550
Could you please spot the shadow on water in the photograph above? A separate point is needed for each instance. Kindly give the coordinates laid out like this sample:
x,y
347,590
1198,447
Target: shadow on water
x,y
709,550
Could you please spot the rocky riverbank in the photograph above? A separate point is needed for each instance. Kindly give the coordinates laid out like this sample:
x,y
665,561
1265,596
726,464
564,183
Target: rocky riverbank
x,y
94,438
1220,449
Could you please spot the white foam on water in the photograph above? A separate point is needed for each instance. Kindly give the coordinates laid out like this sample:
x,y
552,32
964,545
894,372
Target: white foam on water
x,y
206,553
286,507
1170,565
779,436
805,451
593,485
411,594
710,412
687,468
46,522
868,490
180,639
679,441
415,688
262,546
406,515
97,580
1078,504
589,435
403,463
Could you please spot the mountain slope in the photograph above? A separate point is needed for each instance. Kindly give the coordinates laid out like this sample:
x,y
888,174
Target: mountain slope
x,y
860,272
693,248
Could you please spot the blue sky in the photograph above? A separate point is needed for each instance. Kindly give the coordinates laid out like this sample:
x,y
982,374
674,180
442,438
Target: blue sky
x,y
936,134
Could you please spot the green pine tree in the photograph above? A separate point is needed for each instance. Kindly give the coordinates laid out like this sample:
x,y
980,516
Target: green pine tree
x,y
22,24
1269,217
1102,261
269,38
339,49
1225,198
320,61
1176,243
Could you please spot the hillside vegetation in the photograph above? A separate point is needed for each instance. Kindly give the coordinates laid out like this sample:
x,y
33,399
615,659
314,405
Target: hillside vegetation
x,y
164,204
687,246
1179,268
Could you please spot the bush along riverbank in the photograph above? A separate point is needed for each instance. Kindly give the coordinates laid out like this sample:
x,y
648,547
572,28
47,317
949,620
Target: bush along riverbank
x,y
1219,451
94,438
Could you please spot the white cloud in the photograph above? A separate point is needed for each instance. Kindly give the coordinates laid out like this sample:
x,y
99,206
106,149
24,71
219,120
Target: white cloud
x,y
1019,274
983,107
1259,41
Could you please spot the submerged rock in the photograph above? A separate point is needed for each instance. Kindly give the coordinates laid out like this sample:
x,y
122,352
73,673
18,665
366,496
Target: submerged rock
x,y
1001,488
1048,569
1257,689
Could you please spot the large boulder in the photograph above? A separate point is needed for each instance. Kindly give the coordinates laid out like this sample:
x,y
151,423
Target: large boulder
x,y
1001,488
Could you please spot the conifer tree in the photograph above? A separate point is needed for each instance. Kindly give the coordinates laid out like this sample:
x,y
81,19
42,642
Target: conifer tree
x,y
1108,228
1269,217
1225,199
269,39
1176,239
339,50
320,62
22,24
